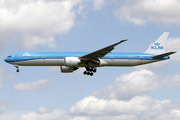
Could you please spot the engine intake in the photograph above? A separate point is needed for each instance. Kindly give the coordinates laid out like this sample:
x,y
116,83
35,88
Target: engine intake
x,y
71,61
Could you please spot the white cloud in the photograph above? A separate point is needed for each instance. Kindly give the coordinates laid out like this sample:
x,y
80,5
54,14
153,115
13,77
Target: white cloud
x,y
173,115
171,81
2,107
92,108
98,4
35,22
38,85
43,114
139,107
141,12
81,7
31,41
173,45
136,83
1,76
129,85
121,101
135,107
43,110
12,115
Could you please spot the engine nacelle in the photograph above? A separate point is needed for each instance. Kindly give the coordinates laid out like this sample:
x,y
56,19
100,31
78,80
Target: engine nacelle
x,y
66,69
71,61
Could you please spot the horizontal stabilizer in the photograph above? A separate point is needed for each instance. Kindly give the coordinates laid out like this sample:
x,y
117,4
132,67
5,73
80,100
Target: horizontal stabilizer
x,y
163,55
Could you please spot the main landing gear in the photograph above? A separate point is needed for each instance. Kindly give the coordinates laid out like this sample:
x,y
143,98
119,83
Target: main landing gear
x,y
90,71
17,68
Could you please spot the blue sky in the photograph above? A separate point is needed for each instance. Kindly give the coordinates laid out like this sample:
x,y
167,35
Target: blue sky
x,y
113,93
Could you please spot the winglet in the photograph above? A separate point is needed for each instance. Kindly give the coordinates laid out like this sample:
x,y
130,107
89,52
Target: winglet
x,y
118,42
123,40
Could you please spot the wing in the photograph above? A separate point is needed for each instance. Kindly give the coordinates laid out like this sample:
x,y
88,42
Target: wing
x,y
100,53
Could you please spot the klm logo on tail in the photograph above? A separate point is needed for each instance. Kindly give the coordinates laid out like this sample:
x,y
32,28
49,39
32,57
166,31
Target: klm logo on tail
x,y
157,46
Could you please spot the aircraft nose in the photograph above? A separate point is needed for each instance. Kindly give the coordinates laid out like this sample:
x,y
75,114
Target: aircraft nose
x,y
6,60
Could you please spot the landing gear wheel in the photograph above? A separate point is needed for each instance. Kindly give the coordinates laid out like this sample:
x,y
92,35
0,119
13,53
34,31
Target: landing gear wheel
x,y
17,68
88,73
94,70
91,74
85,73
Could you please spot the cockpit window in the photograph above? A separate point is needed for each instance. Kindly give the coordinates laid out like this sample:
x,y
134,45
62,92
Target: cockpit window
x,y
9,56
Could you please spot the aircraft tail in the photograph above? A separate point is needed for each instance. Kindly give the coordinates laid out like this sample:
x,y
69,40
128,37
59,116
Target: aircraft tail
x,y
158,47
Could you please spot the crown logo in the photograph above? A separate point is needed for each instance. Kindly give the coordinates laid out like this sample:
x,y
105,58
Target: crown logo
x,y
26,54
157,44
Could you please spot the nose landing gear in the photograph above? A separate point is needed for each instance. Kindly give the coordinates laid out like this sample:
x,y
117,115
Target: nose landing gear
x,y
90,71
17,68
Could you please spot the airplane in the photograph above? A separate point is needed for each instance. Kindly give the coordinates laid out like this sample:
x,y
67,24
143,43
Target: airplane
x,y
71,61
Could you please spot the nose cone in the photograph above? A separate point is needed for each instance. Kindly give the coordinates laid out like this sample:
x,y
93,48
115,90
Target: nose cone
x,y
6,59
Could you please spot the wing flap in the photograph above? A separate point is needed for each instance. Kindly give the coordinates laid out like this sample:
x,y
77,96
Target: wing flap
x,y
163,55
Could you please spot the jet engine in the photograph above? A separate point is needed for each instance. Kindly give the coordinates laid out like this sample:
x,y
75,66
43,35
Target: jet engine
x,y
71,61
66,69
